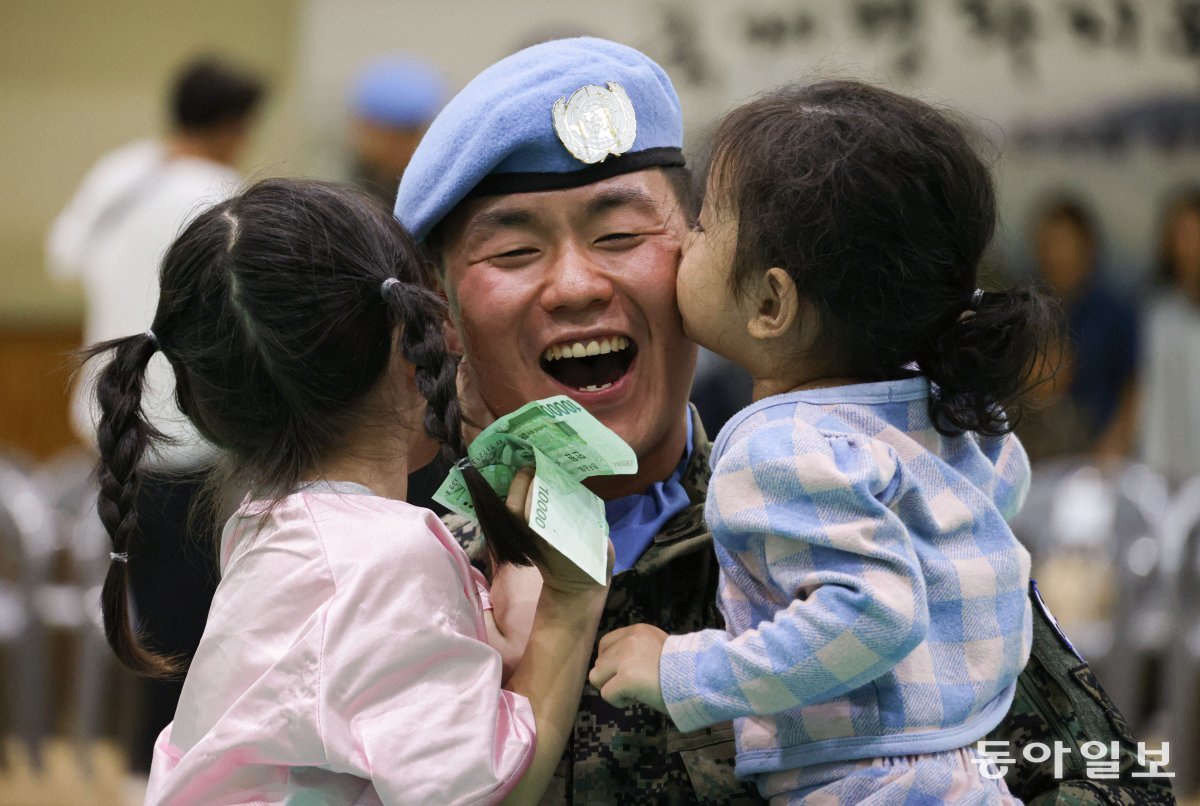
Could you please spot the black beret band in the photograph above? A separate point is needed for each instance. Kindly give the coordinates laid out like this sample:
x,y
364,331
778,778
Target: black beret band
x,y
499,184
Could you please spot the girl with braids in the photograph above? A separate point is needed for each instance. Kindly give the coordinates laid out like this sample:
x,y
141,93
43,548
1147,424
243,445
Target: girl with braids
x,y
346,654
876,601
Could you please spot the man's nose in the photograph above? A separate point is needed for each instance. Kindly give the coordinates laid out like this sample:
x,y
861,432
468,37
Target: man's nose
x,y
576,282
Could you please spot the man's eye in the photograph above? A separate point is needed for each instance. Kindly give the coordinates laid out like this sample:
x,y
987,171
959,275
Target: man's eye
x,y
695,226
617,237
515,253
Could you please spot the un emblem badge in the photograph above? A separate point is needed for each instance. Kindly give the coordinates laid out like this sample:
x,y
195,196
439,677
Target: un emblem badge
x,y
595,122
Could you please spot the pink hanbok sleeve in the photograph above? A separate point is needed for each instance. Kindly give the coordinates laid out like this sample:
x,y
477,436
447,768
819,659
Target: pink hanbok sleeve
x,y
411,694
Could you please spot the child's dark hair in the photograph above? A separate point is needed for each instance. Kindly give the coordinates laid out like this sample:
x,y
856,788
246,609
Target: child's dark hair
x,y
880,209
278,311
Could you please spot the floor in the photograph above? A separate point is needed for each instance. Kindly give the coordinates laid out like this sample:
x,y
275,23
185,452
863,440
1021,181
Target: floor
x,y
63,781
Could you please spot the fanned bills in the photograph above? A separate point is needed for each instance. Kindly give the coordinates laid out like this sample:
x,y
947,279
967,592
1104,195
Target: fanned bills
x,y
565,444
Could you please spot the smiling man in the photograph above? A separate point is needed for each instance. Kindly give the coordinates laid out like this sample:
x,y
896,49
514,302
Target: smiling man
x,y
573,292
552,193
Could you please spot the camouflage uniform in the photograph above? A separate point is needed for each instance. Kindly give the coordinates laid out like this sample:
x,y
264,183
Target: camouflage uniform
x,y
1059,699
636,756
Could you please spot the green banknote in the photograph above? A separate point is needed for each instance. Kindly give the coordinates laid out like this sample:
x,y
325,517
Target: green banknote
x,y
565,444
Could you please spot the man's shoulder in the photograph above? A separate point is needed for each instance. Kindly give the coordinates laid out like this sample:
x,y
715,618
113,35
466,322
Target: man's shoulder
x,y
1060,703
468,534
698,470
131,158
686,533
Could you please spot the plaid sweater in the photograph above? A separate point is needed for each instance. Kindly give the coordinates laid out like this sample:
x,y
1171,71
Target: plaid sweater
x,y
874,596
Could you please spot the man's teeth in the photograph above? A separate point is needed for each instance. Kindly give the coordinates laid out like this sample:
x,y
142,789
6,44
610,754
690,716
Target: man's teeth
x,y
579,349
594,388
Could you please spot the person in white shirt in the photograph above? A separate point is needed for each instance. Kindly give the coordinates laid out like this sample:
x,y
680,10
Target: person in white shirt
x,y
1169,423
111,238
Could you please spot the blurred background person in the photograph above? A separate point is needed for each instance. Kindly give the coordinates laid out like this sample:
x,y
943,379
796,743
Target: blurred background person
x,y
394,98
393,101
111,236
1169,413
1088,407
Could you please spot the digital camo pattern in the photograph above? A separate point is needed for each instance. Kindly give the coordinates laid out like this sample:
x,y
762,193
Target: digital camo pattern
x,y
1059,699
951,776
635,756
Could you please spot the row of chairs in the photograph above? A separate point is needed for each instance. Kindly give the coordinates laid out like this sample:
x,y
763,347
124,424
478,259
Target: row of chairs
x,y
53,558
1116,551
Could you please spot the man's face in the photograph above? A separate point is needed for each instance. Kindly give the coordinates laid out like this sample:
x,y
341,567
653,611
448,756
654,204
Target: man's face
x,y
1183,245
536,277
384,151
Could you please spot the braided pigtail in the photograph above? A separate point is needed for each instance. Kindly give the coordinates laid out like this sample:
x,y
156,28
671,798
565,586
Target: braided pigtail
x,y
123,435
420,314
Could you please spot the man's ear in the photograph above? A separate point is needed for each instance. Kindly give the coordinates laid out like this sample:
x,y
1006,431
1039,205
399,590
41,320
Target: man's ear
x,y
776,305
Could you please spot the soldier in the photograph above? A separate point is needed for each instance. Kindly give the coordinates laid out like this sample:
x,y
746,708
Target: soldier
x,y
552,194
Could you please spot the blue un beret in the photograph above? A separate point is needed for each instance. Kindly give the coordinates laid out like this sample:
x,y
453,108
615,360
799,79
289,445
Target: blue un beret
x,y
498,135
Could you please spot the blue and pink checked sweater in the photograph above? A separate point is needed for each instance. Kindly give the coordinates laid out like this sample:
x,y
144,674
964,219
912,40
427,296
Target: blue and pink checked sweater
x,y
875,599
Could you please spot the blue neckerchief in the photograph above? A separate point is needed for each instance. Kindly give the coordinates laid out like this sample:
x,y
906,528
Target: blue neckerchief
x,y
634,520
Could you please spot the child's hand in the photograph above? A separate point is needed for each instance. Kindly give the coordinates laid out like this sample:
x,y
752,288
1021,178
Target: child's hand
x,y
520,493
626,669
558,573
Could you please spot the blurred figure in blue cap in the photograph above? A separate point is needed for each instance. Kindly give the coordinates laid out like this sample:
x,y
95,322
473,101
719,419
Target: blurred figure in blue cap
x,y
393,100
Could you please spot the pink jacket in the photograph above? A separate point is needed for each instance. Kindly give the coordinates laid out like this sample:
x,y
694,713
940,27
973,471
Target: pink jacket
x,y
345,660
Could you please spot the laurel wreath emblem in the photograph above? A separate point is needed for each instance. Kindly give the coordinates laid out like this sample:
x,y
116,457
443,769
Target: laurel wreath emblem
x,y
596,122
